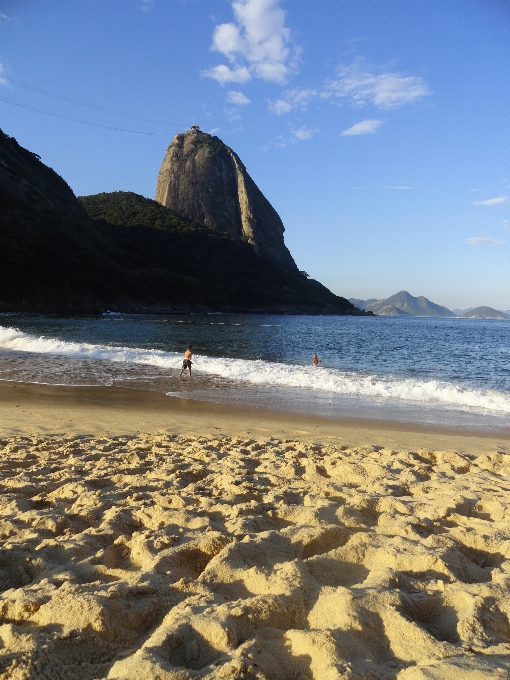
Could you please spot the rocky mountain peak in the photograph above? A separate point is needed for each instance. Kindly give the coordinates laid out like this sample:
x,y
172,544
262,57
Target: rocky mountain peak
x,y
203,180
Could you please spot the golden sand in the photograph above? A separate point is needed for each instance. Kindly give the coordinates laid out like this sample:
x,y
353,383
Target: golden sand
x,y
135,547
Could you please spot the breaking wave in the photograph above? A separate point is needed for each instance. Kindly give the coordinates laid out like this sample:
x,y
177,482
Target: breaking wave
x,y
265,373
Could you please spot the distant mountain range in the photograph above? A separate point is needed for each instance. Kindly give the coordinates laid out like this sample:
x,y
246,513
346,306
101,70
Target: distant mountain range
x,y
405,304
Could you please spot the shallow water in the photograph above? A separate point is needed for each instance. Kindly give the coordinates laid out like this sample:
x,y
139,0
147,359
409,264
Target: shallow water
x,y
453,372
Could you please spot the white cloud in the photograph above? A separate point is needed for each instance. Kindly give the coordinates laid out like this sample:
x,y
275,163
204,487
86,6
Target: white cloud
x,y
481,241
224,74
213,131
506,224
276,73
4,17
279,107
386,90
365,127
492,201
401,187
257,43
292,99
359,85
237,98
227,40
147,5
303,133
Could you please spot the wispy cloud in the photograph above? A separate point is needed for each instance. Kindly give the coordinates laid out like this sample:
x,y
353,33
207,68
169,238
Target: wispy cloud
x,y
482,241
303,133
4,17
3,81
231,114
257,44
147,5
224,74
492,201
278,141
298,98
506,224
365,127
361,86
280,107
237,98
400,187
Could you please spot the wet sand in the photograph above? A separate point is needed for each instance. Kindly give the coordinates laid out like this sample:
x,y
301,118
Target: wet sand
x,y
50,409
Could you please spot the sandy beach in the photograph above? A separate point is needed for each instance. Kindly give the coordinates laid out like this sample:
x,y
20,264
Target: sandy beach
x,y
151,537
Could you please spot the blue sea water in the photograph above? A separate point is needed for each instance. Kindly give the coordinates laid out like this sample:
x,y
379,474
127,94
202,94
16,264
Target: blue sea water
x,y
448,372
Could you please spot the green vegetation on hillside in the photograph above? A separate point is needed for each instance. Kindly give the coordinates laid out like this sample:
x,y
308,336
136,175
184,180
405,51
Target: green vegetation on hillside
x,y
127,208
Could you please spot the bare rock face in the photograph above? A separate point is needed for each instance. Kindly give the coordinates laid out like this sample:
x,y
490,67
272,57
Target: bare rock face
x,y
203,180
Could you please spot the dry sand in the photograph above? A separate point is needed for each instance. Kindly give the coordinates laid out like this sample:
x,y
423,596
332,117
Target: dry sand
x,y
146,538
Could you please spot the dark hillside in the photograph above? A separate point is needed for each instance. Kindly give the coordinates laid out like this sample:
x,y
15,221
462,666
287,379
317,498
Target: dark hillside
x,y
52,257
124,252
221,274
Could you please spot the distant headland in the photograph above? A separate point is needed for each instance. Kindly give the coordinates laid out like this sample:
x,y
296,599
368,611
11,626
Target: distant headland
x,y
404,304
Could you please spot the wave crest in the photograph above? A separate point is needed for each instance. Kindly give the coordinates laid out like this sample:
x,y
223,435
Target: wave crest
x,y
265,373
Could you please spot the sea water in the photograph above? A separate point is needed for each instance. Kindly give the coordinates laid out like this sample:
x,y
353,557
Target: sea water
x,y
448,372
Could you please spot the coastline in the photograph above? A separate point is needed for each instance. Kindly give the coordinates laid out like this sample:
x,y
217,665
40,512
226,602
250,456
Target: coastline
x,y
59,410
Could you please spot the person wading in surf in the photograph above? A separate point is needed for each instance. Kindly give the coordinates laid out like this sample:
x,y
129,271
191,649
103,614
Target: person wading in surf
x,y
316,361
186,364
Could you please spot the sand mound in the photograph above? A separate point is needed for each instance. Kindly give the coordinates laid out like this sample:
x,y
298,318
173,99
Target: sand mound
x,y
171,558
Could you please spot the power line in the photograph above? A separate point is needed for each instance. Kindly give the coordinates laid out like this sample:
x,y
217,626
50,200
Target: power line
x,y
90,106
78,120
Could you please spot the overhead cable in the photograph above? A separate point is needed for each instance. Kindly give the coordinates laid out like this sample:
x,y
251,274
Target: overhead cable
x,y
78,120
90,106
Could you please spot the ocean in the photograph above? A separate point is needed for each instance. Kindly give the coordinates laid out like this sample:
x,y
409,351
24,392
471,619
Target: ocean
x,y
453,373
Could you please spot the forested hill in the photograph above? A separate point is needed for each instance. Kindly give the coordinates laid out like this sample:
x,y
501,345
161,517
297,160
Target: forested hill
x,y
124,252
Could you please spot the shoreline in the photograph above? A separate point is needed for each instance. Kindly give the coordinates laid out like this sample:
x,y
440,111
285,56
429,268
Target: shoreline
x,y
59,410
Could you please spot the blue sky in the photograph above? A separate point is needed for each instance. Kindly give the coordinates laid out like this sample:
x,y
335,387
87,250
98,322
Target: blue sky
x,y
378,129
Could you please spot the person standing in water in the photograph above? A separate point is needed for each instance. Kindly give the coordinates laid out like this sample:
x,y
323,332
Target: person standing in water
x,y
316,361
186,364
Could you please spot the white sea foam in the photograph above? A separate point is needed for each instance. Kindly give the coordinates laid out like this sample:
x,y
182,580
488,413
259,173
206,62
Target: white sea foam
x,y
264,373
